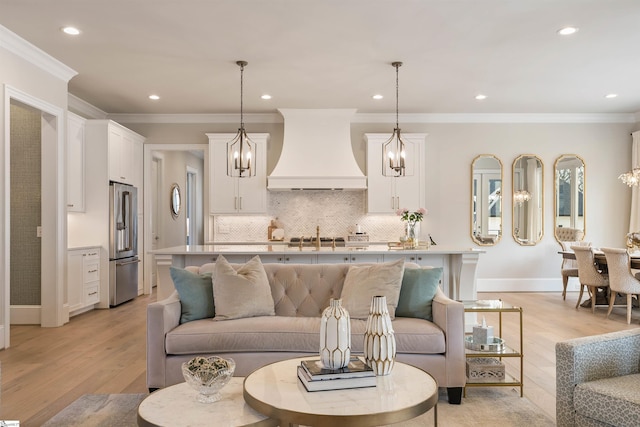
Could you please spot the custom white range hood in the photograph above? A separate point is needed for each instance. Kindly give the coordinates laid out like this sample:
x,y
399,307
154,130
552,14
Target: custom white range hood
x,y
316,152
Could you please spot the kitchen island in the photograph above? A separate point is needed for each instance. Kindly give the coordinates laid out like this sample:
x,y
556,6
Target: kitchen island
x,y
459,265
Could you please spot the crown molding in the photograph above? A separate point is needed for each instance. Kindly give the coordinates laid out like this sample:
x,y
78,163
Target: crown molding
x,y
84,109
25,50
497,118
388,118
196,118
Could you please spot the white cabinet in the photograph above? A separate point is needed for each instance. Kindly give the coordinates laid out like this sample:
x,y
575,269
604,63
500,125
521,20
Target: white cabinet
x,y
386,194
123,149
83,284
232,195
75,163
125,155
348,258
285,258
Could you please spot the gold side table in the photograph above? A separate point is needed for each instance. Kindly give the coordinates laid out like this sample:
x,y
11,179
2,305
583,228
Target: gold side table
x,y
499,307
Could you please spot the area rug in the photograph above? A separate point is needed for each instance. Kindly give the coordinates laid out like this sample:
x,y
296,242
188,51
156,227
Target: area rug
x,y
482,407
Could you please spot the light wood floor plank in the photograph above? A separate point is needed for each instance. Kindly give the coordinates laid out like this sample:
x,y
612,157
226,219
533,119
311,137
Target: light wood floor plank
x,y
104,351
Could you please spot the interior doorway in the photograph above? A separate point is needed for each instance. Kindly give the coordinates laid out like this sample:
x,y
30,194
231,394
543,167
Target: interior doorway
x,y
191,211
45,302
165,165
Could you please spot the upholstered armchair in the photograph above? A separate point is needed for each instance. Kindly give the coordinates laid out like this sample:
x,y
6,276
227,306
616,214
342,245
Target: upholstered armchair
x,y
621,279
598,380
588,274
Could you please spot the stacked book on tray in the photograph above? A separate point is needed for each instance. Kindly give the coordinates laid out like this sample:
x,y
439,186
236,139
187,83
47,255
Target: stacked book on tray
x,y
315,377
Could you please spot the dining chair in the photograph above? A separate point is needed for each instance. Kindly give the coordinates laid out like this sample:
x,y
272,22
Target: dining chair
x,y
569,267
588,274
621,279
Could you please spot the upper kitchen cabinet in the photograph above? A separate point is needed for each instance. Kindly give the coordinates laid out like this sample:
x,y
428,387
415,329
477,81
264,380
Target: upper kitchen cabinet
x,y
387,194
75,162
125,153
234,195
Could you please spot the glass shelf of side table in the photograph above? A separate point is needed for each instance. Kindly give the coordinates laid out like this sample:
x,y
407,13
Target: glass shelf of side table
x,y
499,307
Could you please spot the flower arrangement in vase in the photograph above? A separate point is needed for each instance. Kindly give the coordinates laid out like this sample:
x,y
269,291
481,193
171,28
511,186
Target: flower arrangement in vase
x,y
412,219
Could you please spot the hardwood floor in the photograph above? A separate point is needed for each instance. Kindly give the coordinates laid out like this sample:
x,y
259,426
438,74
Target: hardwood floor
x,y
104,351
45,369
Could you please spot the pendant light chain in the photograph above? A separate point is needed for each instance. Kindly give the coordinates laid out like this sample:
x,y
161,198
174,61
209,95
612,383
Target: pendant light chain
x,y
242,64
397,64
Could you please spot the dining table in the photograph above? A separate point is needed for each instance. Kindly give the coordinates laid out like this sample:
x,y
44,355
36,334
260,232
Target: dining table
x,y
601,260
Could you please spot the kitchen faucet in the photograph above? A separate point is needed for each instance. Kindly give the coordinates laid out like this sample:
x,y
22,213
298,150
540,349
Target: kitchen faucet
x,y
318,238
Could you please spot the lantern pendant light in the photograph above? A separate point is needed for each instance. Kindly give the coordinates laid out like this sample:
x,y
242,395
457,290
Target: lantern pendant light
x,y
241,151
394,150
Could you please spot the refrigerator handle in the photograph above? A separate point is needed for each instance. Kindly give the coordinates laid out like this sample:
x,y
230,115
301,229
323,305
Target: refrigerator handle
x,y
126,218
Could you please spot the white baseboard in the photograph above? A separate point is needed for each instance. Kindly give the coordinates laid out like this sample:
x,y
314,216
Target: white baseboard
x,y
25,315
521,285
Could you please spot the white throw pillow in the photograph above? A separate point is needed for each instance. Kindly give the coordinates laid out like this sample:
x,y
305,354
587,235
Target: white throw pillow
x,y
362,283
242,293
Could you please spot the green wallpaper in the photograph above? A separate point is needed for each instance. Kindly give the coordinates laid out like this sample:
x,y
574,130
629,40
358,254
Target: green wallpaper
x,y
25,205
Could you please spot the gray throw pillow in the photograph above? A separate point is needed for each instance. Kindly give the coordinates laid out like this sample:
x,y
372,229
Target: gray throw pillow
x,y
242,293
196,294
419,287
364,282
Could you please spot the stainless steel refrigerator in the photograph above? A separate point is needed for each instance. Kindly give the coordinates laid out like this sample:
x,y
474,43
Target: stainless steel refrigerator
x,y
123,243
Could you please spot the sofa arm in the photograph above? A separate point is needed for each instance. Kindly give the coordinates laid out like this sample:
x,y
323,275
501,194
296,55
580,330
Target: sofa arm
x,y
448,315
591,358
162,317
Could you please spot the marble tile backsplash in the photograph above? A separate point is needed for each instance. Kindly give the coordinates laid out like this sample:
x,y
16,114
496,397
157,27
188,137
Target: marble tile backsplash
x,y
300,212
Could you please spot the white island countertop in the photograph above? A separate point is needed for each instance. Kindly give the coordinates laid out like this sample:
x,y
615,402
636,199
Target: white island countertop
x,y
279,248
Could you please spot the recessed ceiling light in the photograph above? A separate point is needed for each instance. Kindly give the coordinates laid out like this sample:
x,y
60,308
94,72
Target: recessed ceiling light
x,y
154,97
611,95
266,96
377,96
567,31
480,97
72,31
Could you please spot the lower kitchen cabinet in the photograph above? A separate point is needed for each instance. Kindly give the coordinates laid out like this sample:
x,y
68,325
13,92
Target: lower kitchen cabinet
x,y
83,283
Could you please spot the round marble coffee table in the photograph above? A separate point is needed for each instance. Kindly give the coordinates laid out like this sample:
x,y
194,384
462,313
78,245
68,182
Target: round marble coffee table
x,y
177,406
406,393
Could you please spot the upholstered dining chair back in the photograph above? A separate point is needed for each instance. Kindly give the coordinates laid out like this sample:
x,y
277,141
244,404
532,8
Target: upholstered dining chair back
x,y
569,267
567,234
621,279
588,274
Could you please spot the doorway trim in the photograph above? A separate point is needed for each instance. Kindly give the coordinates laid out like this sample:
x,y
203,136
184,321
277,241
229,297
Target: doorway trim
x,y
54,237
148,158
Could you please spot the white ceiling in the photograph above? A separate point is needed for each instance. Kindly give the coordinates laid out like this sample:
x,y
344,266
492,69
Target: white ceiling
x,y
337,53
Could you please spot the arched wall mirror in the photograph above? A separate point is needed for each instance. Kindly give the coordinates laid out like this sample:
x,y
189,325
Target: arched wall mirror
x,y
528,199
486,200
569,198
175,200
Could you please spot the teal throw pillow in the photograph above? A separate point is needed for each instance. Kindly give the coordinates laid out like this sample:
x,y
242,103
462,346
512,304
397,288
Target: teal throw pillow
x,y
419,286
196,294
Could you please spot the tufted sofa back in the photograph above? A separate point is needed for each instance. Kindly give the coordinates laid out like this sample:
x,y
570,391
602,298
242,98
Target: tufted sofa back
x,y
300,290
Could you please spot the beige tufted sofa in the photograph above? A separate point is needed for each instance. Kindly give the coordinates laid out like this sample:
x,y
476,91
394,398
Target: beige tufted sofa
x,y
300,292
